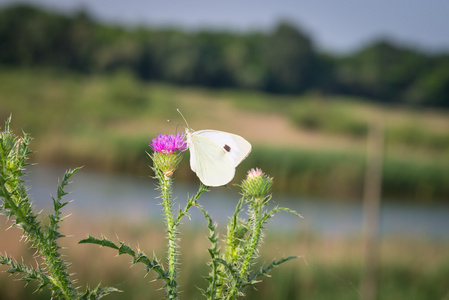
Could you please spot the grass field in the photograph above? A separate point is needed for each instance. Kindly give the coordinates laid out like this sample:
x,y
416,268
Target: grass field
x,y
310,144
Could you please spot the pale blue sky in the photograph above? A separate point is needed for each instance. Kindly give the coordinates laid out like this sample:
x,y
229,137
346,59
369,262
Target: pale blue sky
x,y
339,25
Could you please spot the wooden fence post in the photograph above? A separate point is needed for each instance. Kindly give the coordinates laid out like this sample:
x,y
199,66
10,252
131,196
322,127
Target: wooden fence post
x,y
371,211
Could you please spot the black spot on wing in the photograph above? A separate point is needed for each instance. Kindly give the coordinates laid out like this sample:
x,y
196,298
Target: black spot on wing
x,y
227,148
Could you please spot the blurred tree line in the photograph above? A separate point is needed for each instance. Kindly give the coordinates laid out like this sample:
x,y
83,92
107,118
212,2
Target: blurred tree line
x,y
283,60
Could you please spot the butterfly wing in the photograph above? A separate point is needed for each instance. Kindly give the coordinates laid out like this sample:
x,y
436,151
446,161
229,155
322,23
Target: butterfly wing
x,y
236,147
210,162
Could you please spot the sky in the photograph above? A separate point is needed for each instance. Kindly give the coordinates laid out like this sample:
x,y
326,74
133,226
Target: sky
x,y
335,25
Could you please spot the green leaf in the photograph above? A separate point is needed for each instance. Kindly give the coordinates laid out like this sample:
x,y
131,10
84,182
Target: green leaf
x,y
28,273
151,264
103,242
277,209
263,271
126,249
98,293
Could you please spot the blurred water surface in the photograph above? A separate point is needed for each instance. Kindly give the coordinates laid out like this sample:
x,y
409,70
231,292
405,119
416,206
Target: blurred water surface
x,y
107,195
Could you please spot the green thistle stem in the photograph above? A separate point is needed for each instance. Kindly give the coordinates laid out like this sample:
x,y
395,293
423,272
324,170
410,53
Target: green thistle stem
x,y
32,229
256,231
214,282
165,186
14,201
231,246
65,290
254,239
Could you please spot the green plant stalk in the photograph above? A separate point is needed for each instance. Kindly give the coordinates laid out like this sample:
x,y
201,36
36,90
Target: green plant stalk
x,y
165,186
65,290
14,153
254,239
172,225
231,247
256,232
35,234
214,286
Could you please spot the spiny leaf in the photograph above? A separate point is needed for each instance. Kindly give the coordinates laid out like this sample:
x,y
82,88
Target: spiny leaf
x,y
61,192
151,264
191,201
103,242
263,271
277,209
126,249
28,273
235,274
98,293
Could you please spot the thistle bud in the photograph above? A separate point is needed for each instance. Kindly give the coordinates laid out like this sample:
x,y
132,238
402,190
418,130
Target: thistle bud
x,y
257,184
167,152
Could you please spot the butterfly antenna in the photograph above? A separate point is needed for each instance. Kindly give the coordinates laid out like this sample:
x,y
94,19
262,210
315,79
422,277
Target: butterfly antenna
x,y
183,117
177,124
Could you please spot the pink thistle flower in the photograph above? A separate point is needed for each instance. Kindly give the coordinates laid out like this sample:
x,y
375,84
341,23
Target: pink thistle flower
x,y
254,173
257,184
167,152
168,144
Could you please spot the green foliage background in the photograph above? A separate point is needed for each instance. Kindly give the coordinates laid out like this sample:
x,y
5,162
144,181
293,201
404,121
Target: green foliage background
x,y
383,71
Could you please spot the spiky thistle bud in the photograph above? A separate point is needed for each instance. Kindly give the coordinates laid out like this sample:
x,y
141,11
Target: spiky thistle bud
x,y
257,184
167,152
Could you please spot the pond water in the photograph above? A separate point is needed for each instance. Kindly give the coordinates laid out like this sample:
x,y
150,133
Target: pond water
x,y
117,195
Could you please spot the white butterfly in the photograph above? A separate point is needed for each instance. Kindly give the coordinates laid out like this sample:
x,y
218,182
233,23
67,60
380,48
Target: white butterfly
x,y
214,154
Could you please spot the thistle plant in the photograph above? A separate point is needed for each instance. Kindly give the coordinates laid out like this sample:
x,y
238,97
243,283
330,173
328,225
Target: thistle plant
x,y
232,271
16,205
166,156
232,259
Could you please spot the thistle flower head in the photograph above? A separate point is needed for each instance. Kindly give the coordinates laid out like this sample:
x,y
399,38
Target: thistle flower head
x,y
257,184
253,173
169,144
167,152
